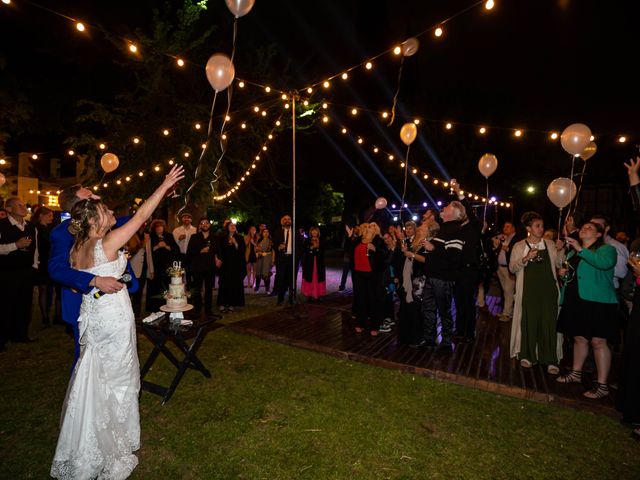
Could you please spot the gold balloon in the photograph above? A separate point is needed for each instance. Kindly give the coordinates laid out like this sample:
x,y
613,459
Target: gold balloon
x,y
589,151
561,191
109,162
488,164
408,133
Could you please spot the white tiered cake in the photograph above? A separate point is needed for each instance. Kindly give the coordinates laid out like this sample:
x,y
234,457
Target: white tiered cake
x,y
176,296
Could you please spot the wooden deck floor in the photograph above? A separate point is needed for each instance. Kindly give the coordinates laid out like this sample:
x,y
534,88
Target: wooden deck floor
x,y
327,327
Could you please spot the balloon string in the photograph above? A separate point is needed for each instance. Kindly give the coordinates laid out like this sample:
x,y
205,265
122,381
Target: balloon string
x,y
573,161
406,174
201,158
395,97
584,168
235,33
486,204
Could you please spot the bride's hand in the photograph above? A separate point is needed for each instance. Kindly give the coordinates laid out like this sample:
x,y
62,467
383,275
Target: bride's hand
x,y
174,176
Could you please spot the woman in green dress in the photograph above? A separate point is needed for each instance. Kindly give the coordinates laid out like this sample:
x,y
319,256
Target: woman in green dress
x,y
534,261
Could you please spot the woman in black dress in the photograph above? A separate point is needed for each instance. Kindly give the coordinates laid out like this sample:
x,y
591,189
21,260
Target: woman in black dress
x,y
43,218
164,250
231,263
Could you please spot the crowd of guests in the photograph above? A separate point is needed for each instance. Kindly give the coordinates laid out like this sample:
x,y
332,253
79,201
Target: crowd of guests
x,y
559,289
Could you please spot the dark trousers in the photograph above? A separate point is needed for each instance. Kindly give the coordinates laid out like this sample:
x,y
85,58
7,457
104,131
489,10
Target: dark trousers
x,y
464,294
388,306
346,267
284,273
199,278
436,299
368,295
16,296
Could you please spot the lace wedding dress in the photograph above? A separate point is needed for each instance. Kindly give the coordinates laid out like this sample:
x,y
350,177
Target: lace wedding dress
x,y
100,425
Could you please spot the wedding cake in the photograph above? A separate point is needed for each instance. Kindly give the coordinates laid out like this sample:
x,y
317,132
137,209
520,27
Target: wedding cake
x,y
176,296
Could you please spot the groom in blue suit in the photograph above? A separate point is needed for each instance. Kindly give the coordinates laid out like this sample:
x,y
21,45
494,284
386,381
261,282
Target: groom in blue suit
x,y
75,283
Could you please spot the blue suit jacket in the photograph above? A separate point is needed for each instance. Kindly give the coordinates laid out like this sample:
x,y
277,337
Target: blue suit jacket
x,y
61,272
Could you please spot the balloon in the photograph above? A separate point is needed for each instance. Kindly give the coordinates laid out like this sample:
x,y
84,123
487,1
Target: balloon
x,y
488,164
408,133
410,46
240,7
589,151
381,203
3,180
561,192
575,138
220,71
109,162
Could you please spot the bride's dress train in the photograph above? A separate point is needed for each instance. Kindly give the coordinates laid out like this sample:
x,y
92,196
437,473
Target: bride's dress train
x,y
100,425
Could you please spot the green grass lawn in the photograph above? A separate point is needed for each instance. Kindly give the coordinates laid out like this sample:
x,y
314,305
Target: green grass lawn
x,y
275,412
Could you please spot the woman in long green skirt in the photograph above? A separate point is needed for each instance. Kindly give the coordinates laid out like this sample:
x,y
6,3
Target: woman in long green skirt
x,y
534,261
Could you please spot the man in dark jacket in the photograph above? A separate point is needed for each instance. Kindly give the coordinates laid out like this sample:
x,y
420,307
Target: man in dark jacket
x,y
442,270
201,251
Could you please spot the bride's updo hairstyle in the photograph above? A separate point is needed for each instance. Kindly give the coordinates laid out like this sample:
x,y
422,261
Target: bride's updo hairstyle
x,y
84,215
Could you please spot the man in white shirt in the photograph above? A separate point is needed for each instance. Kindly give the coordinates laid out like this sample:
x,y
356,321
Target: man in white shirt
x,y
182,234
18,261
507,279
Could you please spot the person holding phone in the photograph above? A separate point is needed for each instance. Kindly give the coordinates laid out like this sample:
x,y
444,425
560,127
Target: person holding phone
x,y
18,264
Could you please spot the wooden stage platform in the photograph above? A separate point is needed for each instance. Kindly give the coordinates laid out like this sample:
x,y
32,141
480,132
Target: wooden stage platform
x,y
327,327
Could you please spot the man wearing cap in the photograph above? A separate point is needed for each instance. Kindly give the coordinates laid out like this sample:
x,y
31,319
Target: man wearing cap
x,y
182,234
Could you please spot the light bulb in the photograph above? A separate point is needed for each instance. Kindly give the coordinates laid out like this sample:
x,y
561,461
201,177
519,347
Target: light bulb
x,y
448,126
354,111
368,65
438,32
622,139
165,132
80,27
197,126
133,48
345,75
554,136
326,84
489,4
267,89
180,62
309,90
241,84
102,146
483,130
136,140
518,133
397,50
71,153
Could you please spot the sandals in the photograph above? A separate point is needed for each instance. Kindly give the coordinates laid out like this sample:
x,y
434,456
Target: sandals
x,y
574,376
553,369
600,390
525,363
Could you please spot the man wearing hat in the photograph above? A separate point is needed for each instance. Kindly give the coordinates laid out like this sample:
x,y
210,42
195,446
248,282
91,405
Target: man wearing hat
x,y
182,234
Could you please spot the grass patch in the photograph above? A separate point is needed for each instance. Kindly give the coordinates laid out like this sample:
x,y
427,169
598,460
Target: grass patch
x,y
275,412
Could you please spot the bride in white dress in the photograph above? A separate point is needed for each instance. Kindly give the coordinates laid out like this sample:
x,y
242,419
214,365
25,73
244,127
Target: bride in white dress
x,y
100,424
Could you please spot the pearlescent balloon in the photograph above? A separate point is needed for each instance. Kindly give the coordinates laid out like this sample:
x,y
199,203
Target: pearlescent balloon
x,y
220,71
109,162
589,151
240,8
408,133
381,203
410,46
561,192
488,164
575,138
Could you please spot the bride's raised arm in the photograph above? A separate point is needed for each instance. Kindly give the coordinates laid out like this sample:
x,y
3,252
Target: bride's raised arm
x,y
116,239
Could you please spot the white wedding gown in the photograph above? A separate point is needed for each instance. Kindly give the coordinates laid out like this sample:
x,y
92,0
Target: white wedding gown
x,y
100,425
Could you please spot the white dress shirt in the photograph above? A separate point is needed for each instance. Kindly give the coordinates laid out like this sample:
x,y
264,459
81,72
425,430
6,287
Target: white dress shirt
x,y
182,230
7,248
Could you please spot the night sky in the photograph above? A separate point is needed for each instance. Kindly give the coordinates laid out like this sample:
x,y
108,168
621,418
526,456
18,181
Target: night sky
x,y
538,65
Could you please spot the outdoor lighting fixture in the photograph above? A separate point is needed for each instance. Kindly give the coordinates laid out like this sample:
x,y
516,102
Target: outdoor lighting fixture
x,y
415,170
38,192
622,139
264,112
243,126
493,199
439,203
133,48
204,145
531,189
554,136
170,162
6,2
253,165
354,111
326,84
395,219
186,154
197,126
414,218
257,157
241,84
592,138
80,27
284,97
227,118
397,50
325,119
424,204
405,205
118,182
344,130
360,141
105,185
425,176
165,132
393,205
448,126
141,174
3,161
345,75
438,32
128,179
102,146
435,181
375,150
180,62
482,130
368,65
385,114
309,90
417,121
34,156
95,188
518,133
264,148
402,165
270,137
489,4
390,157
71,153
507,205
156,168
256,109
267,89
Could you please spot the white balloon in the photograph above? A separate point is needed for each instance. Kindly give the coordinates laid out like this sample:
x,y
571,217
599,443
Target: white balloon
x,y
575,138
381,203
561,192
410,46
589,151
488,164
240,7
220,71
